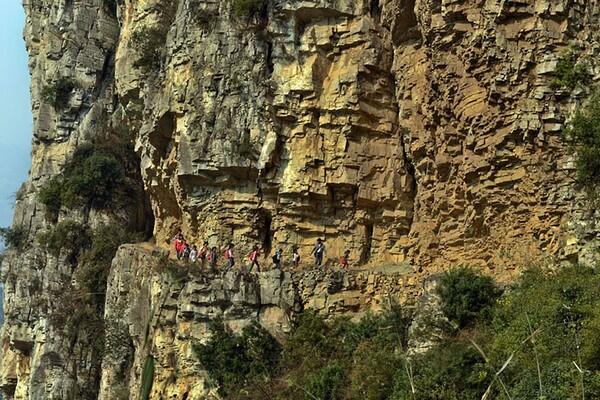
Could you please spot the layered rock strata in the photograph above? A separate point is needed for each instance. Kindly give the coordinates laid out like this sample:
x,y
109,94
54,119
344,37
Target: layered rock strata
x,y
401,130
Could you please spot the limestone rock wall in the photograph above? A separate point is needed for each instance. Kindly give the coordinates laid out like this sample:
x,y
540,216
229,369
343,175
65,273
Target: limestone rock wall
x,y
415,133
275,129
484,126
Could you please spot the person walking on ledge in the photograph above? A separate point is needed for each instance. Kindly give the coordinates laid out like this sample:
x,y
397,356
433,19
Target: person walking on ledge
x,y
203,253
318,251
295,257
185,255
194,254
179,243
229,256
277,259
212,259
180,247
345,259
253,256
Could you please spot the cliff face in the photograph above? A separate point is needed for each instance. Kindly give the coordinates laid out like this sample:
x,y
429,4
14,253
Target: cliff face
x,y
402,130
414,132
151,313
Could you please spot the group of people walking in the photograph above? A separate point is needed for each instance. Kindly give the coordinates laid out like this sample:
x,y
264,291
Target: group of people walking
x,y
206,254
191,253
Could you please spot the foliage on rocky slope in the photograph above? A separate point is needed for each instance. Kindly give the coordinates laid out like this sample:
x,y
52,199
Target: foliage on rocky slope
x,y
539,340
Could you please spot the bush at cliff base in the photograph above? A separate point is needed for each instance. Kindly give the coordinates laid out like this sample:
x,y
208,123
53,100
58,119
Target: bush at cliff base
x,y
552,321
466,295
234,360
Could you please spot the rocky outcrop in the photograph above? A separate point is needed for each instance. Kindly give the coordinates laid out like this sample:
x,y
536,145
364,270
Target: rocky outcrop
x,y
419,133
149,313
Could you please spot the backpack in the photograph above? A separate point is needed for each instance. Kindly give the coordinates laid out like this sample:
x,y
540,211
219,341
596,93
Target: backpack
x,y
178,246
319,249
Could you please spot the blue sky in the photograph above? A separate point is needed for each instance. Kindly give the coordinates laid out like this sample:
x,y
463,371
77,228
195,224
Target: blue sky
x,y
15,114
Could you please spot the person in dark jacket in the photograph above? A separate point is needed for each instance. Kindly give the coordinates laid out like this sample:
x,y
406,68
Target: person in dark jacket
x,y
318,251
277,259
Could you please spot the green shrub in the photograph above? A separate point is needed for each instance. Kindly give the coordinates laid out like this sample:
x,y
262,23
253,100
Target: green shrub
x,y
545,323
59,92
91,178
350,360
569,74
69,238
338,359
562,310
51,196
464,294
327,383
148,43
232,360
262,350
310,336
373,371
583,136
248,8
15,238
